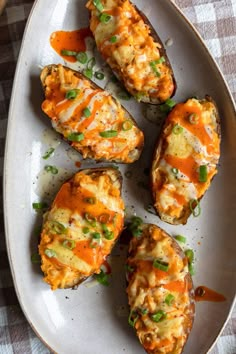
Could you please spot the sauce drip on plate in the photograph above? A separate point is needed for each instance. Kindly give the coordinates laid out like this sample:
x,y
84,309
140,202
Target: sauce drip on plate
x,y
202,293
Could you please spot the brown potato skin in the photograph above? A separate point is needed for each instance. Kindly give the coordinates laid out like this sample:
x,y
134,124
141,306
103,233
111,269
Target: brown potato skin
x,y
157,155
48,69
134,244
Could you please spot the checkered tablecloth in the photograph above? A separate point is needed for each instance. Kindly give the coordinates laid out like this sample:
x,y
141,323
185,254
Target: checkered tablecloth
x,y
216,22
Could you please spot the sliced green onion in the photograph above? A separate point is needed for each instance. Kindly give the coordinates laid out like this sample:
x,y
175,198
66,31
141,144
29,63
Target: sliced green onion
x,y
72,94
193,118
82,57
144,311
124,95
137,232
91,63
51,169
133,316
98,5
129,268
70,53
105,18
177,129
36,258
203,173
158,316
39,205
90,219
96,235
87,112
195,207
164,266
102,278
191,269
134,227
109,235
127,125
180,238
190,255
170,103
175,171
160,60
113,39
154,68
99,75
90,200
167,106
48,153
88,73
169,299
50,253
138,96
109,133
58,227
85,230
69,244
75,136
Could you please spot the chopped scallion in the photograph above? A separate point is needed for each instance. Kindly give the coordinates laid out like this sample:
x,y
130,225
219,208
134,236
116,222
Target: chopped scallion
x,y
191,269
113,39
105,18
96,235
70,53
190,255
88,73
159,264
48,153
195,207
87,112
193,118
82,57
154,68
90,219
133,316
85,230
158,316
129,268
99,75
58,227
180,238
169,299
102,278
177,129
175,171
202,173
160,60
127,125
51,169
98,5
50,253
72,94
39,205
75,137
91,63
69,244
109,133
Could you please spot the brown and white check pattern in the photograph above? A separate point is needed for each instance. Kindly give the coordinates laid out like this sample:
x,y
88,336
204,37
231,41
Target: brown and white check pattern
x,y
216,22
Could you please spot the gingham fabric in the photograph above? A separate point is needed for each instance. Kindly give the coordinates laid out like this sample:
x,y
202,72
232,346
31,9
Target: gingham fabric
x,y
216,22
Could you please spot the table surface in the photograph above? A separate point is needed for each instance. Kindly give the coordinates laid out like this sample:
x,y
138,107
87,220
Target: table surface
x,y
216,22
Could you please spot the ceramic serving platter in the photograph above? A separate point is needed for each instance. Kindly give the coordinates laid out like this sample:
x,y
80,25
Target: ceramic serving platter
x,y
93,318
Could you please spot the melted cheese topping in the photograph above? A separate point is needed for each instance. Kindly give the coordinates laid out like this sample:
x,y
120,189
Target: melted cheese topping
x,y
106,114
87,205
195,144
133,50
149,286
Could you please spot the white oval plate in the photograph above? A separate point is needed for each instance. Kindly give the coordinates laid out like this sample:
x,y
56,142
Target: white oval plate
x,y
94,319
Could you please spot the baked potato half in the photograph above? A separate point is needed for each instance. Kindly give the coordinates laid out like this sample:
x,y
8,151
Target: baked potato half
x,y
89,118
81,227
132,48
185,159
160,291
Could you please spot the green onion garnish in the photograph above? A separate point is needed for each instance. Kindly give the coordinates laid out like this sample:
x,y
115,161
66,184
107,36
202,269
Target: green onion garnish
x,y
133,316
98,5
50,253
90,219
109,235
113,39
191,269
85,230
195,207
193,118
129,268
68,53
91,63
170,103
75,136
134,227
127,125
82,57
39,205
143,311
69,244
88,73
124,95
180,238
48,153
158,316
96,235
167,106
164,266
203,173
51,169
58,227
154,68
177,129
99,75
160,60
102,278
109,133
190,255
87,112
72,94
104,18
169,299
90,200
175,171
137,232
36,258
138,96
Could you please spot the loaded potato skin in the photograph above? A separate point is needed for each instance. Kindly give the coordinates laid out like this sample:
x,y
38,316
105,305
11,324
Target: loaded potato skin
x,y
81,227
132,48
89,118
185,159
160,291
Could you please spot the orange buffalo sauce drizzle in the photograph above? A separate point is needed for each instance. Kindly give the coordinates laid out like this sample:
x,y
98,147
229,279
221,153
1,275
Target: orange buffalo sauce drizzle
x,y
187,166
177,286
73,40
84,251
208,295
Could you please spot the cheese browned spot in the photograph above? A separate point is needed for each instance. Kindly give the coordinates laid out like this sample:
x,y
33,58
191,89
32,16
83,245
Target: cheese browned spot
x,y
190,141
149,289
92,114
81,227
127,45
